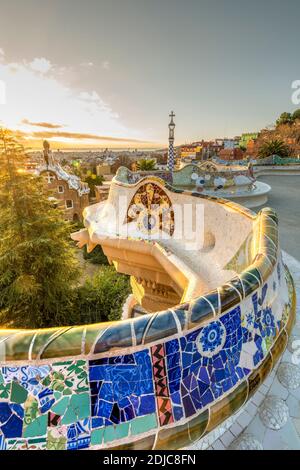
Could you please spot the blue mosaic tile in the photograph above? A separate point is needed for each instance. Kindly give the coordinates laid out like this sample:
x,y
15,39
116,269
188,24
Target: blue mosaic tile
x,y
11,420
122,388
79,435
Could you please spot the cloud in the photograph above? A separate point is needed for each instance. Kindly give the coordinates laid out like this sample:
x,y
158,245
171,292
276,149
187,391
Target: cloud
x,y
47,125
90,96
106,65
2,54
76,136
41,65
87,64
44,98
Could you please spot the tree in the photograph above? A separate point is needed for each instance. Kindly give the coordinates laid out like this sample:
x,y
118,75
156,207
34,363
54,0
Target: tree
x,y
102,297
96,256
284,118
38,268
146,165
273,147
93,180
296,114
76,168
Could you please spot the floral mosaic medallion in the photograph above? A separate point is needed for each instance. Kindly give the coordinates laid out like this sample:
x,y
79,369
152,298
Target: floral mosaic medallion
x,y
152,210
211,339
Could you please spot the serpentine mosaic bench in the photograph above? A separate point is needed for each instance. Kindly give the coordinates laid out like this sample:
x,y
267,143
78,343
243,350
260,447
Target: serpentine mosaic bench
x,y
160,381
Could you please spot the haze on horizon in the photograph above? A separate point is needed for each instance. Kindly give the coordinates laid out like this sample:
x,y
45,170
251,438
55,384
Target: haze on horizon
x,y
107,73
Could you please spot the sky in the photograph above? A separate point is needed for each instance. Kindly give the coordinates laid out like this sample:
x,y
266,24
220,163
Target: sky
x,y
108,72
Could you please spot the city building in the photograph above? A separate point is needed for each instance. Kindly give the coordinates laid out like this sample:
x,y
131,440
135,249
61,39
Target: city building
x,y
231,154
105,169
230,143
190,152
67,191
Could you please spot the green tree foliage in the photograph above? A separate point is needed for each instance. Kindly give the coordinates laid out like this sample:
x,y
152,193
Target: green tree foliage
x,y
273,147
288,118
96,256
88,176
77,168
39,271
93,180
284,118
101,298
38,268
296,115
146,165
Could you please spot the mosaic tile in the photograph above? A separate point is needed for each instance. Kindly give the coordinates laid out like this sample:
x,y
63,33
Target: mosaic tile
x,y
121,388
11,419
29,377
16,349
111,433
3,445
181,386
97,436
69,341
161,326
18,393
144,424
17,444
114,337
79,435
163,401
200,309
37,427
57,438
37,444
68,377
31,409
5,390
78,408
41,339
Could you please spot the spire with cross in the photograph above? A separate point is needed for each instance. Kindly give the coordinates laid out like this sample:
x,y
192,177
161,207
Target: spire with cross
x,y
171,159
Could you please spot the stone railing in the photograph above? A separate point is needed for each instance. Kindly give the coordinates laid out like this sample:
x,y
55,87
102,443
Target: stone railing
x,y
160,381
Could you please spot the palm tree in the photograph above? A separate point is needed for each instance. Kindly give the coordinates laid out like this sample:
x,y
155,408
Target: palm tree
x,y
273,147
146,165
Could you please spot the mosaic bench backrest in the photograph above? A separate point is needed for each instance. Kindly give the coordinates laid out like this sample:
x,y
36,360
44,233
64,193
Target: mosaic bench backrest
x,y
207,175
159,381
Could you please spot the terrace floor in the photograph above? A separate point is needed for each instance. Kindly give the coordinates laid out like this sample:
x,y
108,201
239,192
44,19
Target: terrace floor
x,y
285,199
